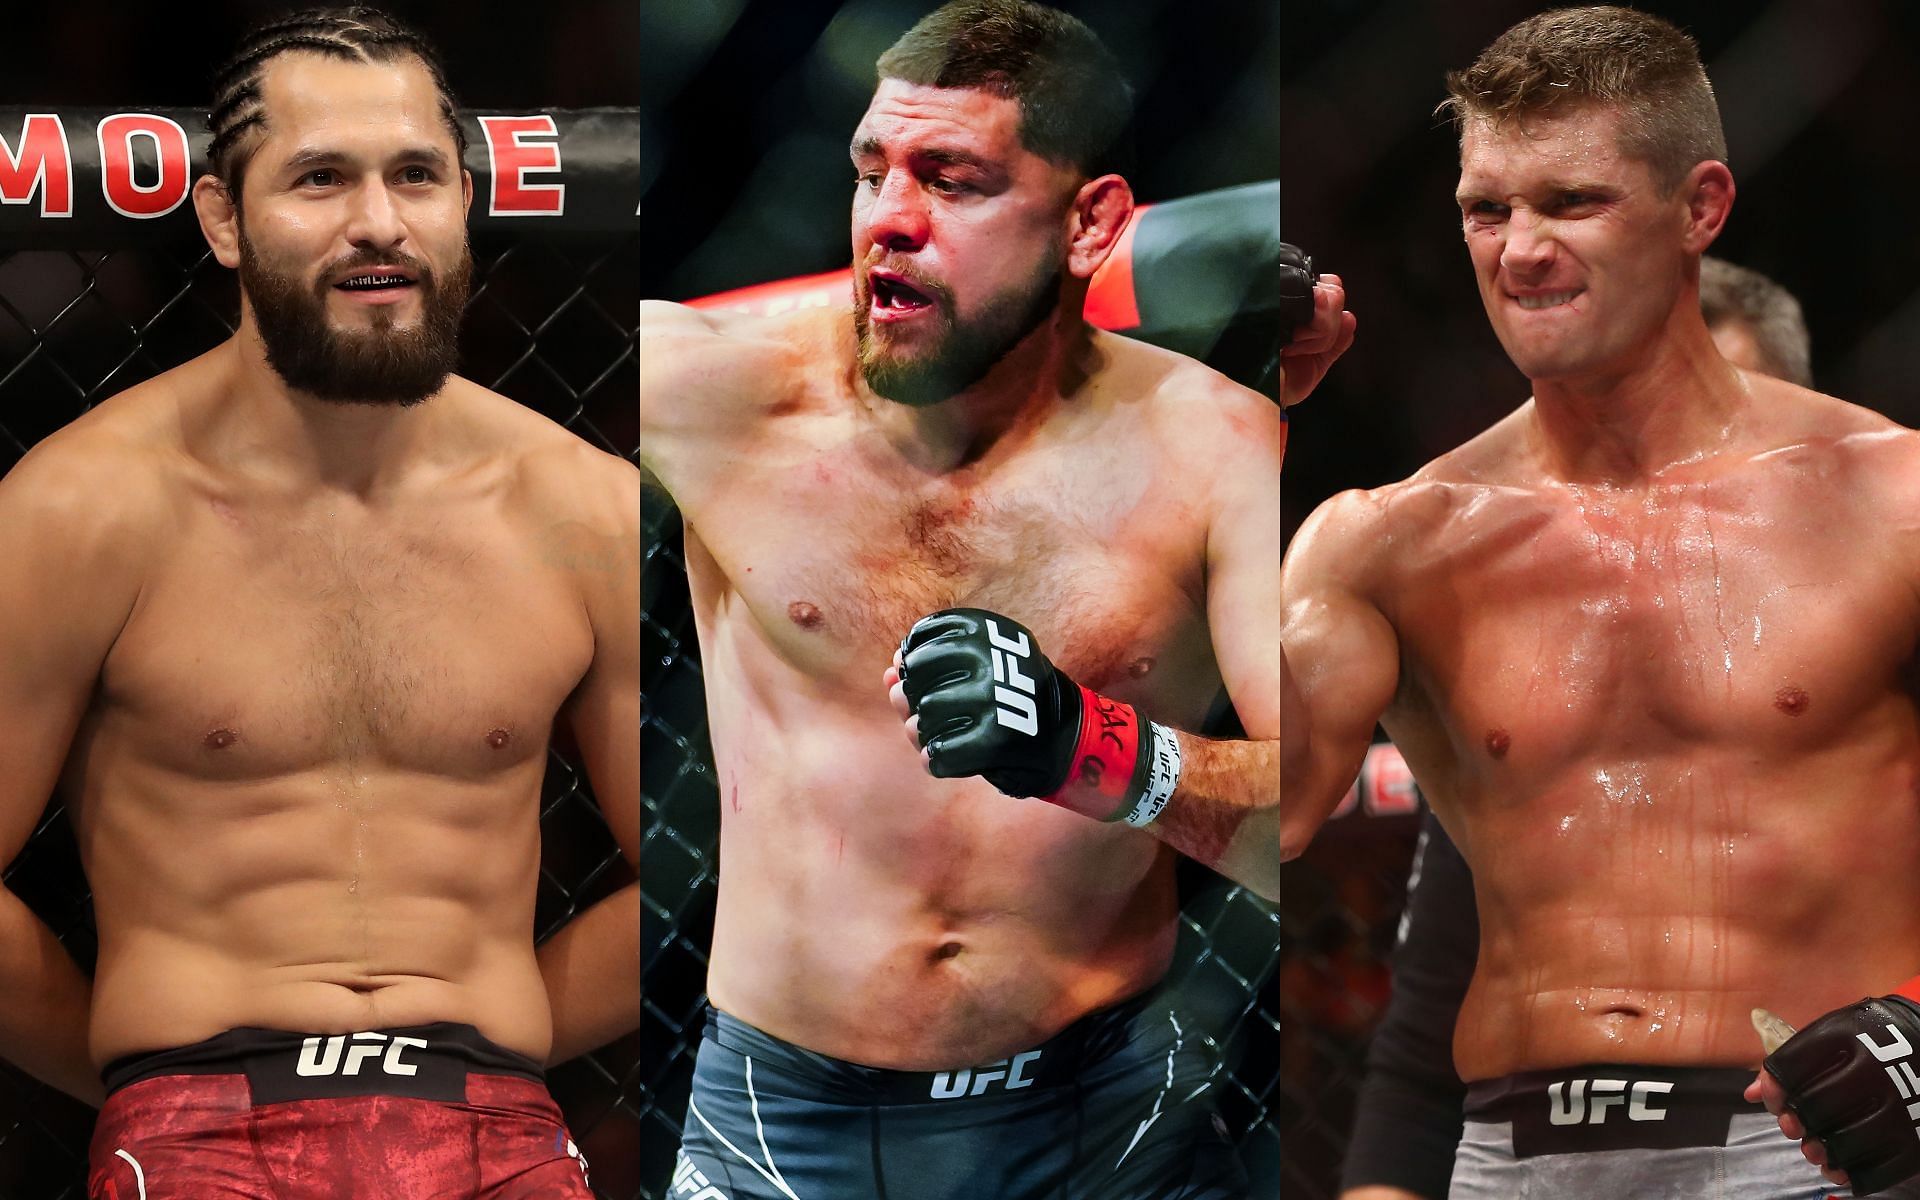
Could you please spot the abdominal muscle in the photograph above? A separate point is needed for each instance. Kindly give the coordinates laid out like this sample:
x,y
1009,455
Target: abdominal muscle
x,y
278,905
874,914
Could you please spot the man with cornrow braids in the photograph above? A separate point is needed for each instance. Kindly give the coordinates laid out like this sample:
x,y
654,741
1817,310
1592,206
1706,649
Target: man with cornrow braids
x,y
290,626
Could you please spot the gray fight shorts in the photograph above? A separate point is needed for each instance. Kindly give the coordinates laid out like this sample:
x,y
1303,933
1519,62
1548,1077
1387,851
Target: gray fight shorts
x,y
1615,1131
1118,1106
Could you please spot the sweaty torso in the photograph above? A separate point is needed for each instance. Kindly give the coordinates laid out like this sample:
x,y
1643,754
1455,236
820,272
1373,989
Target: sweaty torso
x,y
1673,728
307,787
867,910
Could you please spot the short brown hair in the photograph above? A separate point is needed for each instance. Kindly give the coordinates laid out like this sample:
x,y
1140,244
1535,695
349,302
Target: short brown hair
x,y
1637,64
1075,105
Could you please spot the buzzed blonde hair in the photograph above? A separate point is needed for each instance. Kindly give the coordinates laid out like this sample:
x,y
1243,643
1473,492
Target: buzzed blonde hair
x,y
1638,65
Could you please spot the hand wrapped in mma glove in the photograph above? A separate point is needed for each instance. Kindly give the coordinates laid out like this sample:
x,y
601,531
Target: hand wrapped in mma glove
x,y
990,704
1850,1077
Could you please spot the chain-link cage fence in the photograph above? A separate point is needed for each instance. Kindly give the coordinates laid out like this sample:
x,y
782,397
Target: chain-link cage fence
x,y
768,202
551,324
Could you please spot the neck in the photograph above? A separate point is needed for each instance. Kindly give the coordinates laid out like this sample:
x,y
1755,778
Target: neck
x,y
1677,402
306,442
1009,401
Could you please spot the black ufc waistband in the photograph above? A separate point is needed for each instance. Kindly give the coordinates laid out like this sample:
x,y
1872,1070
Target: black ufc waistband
x,y
1058,1060
1613,1106
426,1062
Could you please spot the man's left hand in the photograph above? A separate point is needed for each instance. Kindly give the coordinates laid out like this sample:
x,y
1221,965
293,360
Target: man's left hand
x,y
1315,346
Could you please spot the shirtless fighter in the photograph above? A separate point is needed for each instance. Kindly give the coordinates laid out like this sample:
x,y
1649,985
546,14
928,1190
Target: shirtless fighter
x,y
926,986
290,626
1407,1121
1648,644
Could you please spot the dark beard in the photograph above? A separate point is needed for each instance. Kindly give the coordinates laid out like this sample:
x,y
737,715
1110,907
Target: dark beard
x,y
382,365
963,353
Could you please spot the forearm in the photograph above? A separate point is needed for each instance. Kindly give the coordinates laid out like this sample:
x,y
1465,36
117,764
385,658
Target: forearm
x,y
44,1004
592,972
1225,811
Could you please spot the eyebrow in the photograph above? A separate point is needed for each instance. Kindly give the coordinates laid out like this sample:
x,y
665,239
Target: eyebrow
x,y
317,157
871,147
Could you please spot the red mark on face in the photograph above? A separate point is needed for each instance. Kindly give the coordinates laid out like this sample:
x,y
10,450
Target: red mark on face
x,y
220,739
1498,741
1791,700
803,614
498,738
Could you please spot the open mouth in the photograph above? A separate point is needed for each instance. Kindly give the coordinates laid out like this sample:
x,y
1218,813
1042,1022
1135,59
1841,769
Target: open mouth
x,y
893,294
377,283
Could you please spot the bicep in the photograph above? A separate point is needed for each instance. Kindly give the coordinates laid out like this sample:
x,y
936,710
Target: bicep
x,y
1243,596
66,590
1341,650
604,710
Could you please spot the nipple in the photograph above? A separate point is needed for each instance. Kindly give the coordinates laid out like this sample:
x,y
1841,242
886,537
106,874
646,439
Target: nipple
x,y
220,739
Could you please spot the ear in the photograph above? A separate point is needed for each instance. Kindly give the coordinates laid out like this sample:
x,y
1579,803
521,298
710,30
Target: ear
x,y
219,219
1708,189
466,192
1101,209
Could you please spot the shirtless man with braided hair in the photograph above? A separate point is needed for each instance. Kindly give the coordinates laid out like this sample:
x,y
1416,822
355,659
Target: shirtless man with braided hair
x,y
290,627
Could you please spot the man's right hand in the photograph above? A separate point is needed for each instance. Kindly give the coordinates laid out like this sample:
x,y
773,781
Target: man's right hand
x,y
1306,359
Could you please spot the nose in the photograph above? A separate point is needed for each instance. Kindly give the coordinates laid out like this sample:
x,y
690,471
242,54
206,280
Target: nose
x,y
373,219
896,215
1529,247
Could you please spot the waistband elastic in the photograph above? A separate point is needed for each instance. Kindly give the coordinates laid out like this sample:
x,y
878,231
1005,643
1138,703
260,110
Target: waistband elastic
x,y
1058,1060
429,1062
1613,1106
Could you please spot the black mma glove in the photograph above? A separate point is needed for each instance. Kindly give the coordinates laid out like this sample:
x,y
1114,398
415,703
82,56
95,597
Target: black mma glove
x,y
990,704
1850,1078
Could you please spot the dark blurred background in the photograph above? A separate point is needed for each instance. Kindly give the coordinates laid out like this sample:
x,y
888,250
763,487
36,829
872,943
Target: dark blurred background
x,y
748,108
1818,98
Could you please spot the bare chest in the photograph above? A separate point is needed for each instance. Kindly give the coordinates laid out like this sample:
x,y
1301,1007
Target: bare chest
x,y
1693,619
833,562
269,645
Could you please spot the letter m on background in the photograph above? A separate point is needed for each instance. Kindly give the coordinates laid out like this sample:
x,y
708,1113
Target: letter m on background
x,y
38,161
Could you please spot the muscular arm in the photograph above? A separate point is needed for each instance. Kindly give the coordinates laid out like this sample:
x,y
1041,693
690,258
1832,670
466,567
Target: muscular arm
x,y
1339,663
69,583
1226,810
592,965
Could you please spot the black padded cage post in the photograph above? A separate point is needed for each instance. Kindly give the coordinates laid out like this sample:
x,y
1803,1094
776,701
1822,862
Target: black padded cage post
x,y
105,282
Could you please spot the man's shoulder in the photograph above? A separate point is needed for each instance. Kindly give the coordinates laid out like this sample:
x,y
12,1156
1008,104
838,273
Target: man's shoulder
x,y
725,353
559,469
1190,402
1812,431
100,480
